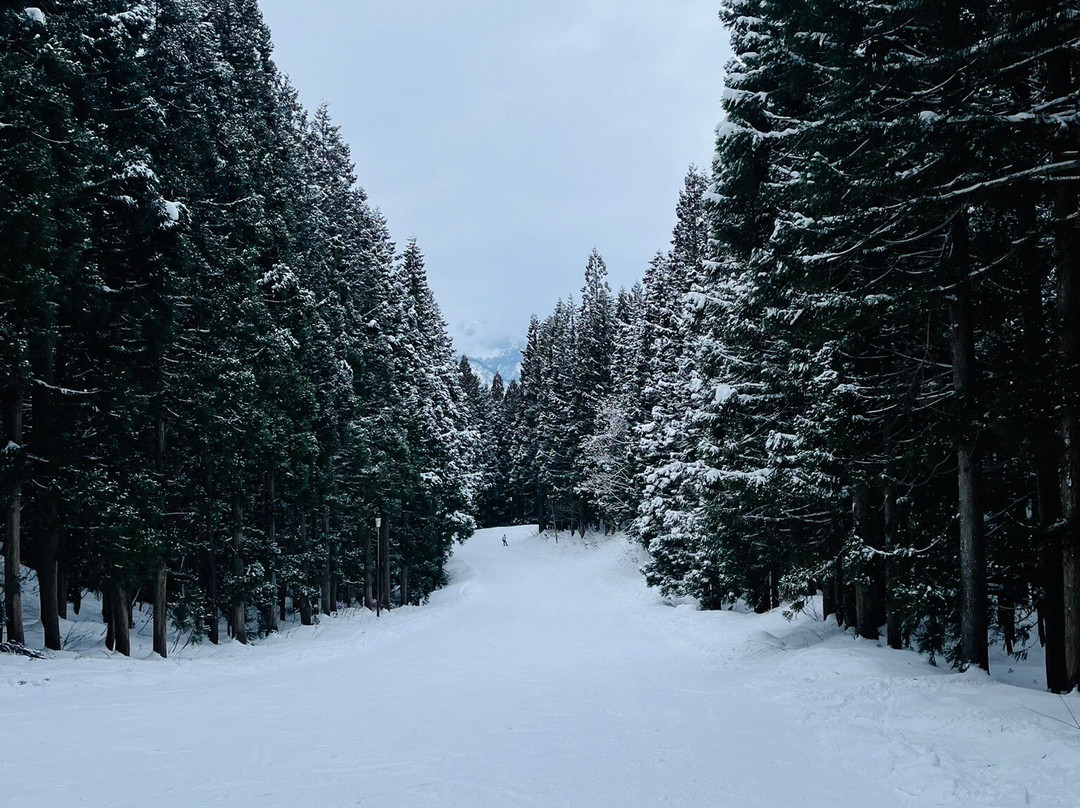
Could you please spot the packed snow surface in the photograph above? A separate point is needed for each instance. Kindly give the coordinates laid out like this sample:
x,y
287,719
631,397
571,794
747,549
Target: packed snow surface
x,y
544,675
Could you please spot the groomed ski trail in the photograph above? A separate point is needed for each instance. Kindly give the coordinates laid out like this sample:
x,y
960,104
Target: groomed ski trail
x,y
543,675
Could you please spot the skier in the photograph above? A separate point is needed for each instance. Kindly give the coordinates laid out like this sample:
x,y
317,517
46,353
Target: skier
x,y
504,541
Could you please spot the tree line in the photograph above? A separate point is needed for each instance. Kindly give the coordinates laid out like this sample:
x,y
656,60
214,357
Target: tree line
x,y
856,372
217,370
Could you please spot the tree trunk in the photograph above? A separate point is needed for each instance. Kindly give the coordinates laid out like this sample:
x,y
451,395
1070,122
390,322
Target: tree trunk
x,y
13,434
48,547
840,590
303,605
1046,449
44,448
541,511
161,623
369,595
61,588
974,646
301,601
384,572
851,605
324,587
893,631
324,578
213,626
404,599
120,606
867,607
1069,298
1067,253
239,609
1051,569
108,617
269,611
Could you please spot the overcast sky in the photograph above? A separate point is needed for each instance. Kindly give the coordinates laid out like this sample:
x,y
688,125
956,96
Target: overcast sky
x,y
511,137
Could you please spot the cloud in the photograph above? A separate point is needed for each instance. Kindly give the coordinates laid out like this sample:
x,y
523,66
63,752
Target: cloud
x,y
510,138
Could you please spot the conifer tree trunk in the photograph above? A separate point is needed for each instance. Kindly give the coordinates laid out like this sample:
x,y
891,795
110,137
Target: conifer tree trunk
x,y
324,580
866,606
239,609
48,546
404,599
269,610
839,590
109,618
851,604
303,605
120,607
1069,308
541,511
161,623
369,597
974,645
213,627
300,599
893,631
13,435
384,557
1045,450
61,587
1060,81
324,586
44,438
270,613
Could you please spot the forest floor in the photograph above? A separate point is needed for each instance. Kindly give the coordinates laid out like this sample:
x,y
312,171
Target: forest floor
x,y
544,675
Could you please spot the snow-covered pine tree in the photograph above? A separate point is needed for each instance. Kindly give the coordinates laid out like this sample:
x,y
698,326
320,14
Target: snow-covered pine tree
x,y
594,351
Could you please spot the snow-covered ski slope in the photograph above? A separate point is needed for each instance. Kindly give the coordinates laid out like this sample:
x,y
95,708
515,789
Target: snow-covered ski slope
x,y
544,675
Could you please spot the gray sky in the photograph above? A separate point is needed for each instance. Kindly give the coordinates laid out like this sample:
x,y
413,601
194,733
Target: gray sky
x,y
511,137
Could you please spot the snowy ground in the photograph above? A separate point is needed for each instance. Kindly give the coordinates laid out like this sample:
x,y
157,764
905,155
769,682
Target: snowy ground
x,y
544,675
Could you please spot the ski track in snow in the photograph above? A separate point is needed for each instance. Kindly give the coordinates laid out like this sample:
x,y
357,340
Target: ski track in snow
x,y
543,675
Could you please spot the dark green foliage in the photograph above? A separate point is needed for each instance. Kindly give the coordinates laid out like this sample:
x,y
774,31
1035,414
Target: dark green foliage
x,y
855,371
222,367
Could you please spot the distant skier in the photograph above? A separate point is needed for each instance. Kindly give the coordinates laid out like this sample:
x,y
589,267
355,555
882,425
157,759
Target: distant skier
x,y
504,541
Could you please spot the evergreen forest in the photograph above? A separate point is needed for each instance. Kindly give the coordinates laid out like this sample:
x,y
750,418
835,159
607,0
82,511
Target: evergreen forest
x,y
853,374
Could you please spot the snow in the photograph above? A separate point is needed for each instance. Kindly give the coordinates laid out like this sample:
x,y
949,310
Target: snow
x,y
172,210
724,393
35,14
544,675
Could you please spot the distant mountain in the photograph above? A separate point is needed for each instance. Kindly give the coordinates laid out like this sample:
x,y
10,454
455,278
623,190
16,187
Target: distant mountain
x,y
505,361
488,351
